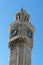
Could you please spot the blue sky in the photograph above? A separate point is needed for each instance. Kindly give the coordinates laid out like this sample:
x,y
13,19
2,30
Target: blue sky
x,y
7,10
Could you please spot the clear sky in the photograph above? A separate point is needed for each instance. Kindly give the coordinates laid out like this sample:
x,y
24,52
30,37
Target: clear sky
x,y
7,10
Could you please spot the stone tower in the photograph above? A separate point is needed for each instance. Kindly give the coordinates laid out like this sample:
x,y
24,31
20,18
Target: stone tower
x,y
21,39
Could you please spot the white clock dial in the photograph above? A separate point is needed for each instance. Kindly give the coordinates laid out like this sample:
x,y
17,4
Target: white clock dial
x,y
14,32
29,33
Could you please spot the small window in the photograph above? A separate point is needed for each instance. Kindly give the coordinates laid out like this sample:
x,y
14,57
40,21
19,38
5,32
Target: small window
x,y
16,18
24,18
27,18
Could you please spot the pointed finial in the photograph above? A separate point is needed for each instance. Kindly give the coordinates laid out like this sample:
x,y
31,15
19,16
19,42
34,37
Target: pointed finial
x,y
22,9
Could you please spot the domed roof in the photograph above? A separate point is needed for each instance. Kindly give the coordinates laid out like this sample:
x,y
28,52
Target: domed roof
x,y
22,15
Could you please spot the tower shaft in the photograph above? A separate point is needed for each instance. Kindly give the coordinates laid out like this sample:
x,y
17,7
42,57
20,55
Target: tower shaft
x,y
21,40
20,54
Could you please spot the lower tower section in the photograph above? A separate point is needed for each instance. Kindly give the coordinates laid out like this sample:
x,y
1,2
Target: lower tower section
x,y
20,53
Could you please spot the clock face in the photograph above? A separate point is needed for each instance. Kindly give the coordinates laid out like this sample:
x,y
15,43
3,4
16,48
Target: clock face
x,y
29,33
14,32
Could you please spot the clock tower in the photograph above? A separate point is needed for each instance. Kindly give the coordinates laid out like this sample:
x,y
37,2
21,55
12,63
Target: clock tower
x,y
21,39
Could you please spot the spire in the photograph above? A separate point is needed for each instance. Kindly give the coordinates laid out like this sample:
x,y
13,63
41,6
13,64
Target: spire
x,y
22,9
